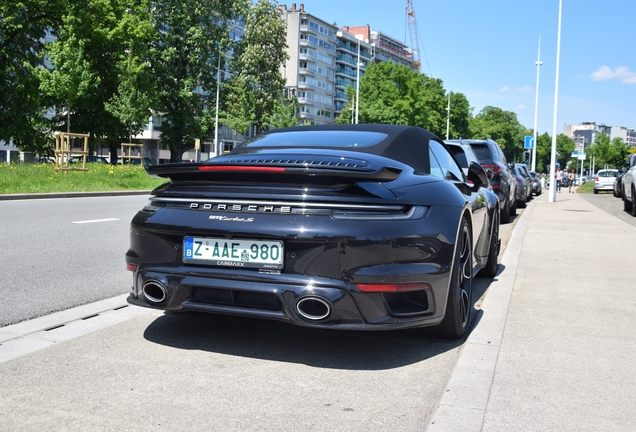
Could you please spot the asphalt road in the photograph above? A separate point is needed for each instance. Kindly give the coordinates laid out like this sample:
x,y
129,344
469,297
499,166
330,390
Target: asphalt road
x,y
608,203
62,252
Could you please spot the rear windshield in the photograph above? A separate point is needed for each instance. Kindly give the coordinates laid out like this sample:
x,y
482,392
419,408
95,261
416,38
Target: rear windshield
x,y
607,173
482,152
314,138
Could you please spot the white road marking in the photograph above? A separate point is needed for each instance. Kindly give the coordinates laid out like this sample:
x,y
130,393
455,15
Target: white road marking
x,y
95,221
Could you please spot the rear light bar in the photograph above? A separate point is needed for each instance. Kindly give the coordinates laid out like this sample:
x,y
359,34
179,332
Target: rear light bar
x,y
496,169
240,168
400,287
131,267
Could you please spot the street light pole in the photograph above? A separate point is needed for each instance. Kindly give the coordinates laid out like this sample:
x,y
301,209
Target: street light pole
x,y
216,114
358,83
448,117
552,194
536,109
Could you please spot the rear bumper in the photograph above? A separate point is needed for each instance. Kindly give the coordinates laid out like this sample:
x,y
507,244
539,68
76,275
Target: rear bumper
x,y
304,301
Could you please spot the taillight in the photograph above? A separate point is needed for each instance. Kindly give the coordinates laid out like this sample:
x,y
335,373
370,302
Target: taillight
x,y
496,169
131,267
403,287
518,180
240,168
596,179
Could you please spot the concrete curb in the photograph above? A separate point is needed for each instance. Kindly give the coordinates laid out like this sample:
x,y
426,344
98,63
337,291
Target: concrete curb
x,y
33,335
465,399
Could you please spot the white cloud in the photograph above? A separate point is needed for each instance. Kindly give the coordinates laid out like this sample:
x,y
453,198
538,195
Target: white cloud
x,y
622,73
524,89
504,89
520,107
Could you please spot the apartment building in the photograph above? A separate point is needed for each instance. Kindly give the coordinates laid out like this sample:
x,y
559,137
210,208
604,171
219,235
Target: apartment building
x,y
586,133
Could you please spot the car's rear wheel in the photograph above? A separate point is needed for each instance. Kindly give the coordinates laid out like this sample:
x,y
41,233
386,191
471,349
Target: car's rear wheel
x,y
513,208
633,206
459,302
504,213
490,270
595,191
627,204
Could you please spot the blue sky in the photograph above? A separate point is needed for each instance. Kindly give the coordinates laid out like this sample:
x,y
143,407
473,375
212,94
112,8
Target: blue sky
x,y
487,49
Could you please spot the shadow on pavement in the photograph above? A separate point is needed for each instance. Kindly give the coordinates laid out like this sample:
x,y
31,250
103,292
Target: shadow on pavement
x,y
282,342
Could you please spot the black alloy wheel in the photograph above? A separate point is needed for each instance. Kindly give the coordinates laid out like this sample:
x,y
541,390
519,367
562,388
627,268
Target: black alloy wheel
x,y
504,214
459,302
490,270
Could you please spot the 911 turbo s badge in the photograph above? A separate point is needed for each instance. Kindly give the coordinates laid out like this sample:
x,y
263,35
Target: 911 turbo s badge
x,y
231,219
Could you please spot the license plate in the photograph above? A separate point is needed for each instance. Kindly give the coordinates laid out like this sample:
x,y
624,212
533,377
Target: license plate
x,y
233,253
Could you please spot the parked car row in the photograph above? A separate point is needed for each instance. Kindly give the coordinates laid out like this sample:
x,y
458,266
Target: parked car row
x,y
627,187
502,182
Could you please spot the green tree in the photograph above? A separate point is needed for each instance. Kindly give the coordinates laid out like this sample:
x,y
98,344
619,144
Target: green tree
x,y
23,26
285,113
564,147
189,37
98,63
132,101
501,126
390,93
619,153
460,113
257,85
601,150
544,152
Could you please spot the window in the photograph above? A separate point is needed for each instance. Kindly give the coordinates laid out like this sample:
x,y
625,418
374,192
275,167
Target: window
x,y
447,168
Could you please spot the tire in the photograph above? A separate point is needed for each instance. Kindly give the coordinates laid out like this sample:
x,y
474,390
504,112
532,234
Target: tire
x,y
627,205
504,213
633,206
459,302
490,270
513,209
522,203
595,191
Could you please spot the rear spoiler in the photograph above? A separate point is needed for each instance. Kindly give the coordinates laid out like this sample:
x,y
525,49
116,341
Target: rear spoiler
x,y
270,173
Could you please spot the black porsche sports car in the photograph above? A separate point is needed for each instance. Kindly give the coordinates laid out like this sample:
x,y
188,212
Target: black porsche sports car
x,y
359,227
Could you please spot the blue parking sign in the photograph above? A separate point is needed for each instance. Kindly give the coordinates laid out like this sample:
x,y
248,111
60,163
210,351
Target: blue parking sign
x,y
528,142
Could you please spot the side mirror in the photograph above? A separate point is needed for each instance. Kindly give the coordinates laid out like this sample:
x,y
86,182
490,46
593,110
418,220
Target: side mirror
x,y
626,164
477,175
489,174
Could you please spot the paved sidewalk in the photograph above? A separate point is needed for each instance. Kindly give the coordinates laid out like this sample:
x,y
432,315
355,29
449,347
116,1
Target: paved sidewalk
x,y
554,349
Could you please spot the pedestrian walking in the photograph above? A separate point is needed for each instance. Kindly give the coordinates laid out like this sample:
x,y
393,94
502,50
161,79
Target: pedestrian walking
x,y
570,180
559,177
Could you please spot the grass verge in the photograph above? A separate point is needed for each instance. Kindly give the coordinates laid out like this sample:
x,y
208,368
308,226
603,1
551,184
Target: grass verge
x,y
43,178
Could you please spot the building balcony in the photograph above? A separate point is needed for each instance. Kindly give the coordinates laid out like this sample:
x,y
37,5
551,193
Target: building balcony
x,y
304,101
305,56
304,43
304,28
305,116
303,85
306,71
346,73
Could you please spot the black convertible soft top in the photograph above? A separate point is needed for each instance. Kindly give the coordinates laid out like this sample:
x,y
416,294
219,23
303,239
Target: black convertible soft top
x,y
406,144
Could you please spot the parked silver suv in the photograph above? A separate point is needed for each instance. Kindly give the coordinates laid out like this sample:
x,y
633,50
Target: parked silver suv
x,y
629,189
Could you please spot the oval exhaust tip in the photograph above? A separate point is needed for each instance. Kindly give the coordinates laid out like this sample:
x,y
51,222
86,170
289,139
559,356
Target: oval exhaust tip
x,y
155,292
313,308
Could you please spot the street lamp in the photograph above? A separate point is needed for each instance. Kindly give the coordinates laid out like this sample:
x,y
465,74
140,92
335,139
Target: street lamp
x,y
536,109
552,194
448,117
358,82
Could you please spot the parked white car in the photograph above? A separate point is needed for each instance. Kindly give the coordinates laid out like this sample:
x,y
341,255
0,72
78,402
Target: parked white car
x,y
604,180
629,190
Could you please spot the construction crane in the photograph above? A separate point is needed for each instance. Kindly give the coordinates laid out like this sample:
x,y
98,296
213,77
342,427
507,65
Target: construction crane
x,y
412,24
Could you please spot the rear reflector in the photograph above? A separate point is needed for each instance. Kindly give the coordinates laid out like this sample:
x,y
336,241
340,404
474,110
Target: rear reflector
x,y
240,168
131,267
403,287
